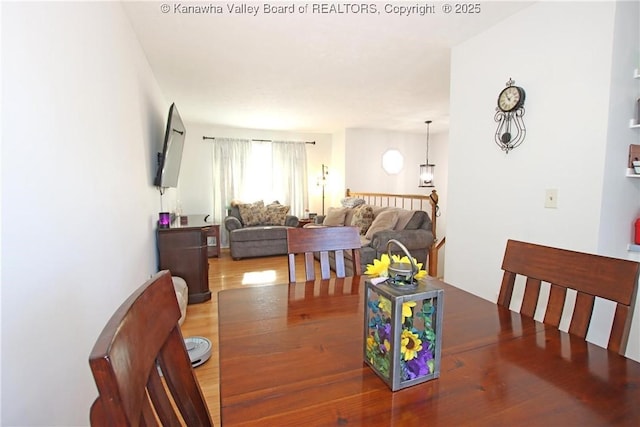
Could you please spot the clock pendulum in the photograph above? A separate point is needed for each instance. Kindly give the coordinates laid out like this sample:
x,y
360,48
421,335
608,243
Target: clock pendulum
x,y
511,129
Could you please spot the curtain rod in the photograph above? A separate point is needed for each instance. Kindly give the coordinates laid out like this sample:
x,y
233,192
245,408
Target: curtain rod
x,y
261,140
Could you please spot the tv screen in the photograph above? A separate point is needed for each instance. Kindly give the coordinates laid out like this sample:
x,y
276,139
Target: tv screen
x,y
171,156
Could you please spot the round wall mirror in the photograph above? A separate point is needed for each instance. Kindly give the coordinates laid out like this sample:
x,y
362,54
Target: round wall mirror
x,y
392,161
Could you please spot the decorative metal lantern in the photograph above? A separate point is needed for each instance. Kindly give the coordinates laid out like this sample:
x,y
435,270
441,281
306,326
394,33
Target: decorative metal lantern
x,y
403,332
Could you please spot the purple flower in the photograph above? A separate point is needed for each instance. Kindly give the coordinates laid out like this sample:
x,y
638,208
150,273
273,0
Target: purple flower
x,y
384,331
418,366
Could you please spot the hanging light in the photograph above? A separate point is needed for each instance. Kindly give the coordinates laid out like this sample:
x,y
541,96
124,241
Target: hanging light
x,y
427,169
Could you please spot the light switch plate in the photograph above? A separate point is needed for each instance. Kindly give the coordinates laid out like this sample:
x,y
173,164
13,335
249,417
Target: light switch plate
x,y
551,198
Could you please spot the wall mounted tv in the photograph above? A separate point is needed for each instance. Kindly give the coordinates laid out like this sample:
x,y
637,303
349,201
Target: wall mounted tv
x,y
171,156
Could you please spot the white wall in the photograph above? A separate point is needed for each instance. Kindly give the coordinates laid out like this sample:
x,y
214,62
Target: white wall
x,y
364,150
82,120
195,186
561,53
335,188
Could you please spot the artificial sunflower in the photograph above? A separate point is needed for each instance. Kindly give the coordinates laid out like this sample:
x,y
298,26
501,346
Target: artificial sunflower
x,y
380,267
406,309
410,344
384,305
371,343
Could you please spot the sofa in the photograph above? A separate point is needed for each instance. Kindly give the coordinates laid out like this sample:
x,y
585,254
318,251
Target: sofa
x,y
256,229
378,225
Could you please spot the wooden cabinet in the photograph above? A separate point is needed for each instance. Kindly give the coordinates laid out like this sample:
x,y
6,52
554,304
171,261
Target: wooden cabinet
x,y
183,249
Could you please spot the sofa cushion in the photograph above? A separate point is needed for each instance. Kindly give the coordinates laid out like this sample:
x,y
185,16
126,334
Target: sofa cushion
x,y
362,218
249,234
385,220
378,209
404,217
335,217
252,213
275,214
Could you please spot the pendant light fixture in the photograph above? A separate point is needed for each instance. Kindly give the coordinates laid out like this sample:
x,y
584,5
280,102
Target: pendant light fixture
x,y
427,169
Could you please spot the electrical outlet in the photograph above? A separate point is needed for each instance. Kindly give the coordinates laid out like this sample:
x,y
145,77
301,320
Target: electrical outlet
x,y
551,198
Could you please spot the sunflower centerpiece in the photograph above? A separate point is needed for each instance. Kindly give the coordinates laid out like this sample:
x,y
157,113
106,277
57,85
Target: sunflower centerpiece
x,y
402,325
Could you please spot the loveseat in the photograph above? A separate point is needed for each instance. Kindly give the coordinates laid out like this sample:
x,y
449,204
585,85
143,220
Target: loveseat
x,y
378,225
256,229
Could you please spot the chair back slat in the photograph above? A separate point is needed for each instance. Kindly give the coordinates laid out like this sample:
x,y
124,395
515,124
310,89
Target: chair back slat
x,y
340,268
553,314
588,275
309,266
140,336
148,418
325,267
531,294
324,240
619,333
581,314
160,399
506,288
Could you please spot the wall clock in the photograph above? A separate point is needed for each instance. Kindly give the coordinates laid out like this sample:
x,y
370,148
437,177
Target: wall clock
x,y
511,129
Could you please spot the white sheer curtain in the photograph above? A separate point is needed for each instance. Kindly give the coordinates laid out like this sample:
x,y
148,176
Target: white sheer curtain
x,y
289,164
248,171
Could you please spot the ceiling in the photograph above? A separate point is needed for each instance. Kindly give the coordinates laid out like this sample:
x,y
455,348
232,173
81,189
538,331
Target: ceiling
x,y
308,72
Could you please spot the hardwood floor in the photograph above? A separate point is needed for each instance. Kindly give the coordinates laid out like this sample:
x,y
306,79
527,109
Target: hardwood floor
x,y
202,319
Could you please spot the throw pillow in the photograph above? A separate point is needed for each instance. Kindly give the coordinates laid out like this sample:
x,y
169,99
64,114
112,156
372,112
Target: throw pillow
x,y
275,214
335,217
404,216
252,213
384,221
363,218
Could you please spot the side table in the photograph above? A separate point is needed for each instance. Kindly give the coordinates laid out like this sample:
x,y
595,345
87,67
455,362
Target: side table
x,y
213,240
304,221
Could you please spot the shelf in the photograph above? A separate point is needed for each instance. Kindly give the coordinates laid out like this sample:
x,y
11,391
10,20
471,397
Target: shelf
x,y
633,124
636,73
631,174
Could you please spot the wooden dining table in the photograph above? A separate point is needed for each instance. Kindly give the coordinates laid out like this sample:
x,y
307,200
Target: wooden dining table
x,y
292,355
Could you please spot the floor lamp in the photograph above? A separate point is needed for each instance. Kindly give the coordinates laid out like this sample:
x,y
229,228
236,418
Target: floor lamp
x,y
323,182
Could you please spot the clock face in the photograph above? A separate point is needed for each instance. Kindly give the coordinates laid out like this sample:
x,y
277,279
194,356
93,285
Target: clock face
x,y
511,98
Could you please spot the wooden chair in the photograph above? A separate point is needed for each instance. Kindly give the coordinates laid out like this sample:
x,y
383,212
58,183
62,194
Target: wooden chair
x,y
143,331
323,240
589,275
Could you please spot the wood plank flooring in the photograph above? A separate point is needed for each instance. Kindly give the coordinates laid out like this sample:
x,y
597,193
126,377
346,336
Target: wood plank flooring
x,y
202,319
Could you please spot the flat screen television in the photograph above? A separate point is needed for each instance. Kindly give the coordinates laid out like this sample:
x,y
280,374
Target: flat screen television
x,y
171,156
